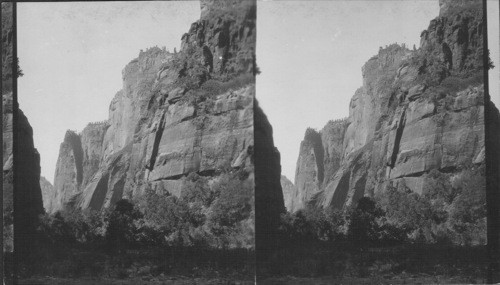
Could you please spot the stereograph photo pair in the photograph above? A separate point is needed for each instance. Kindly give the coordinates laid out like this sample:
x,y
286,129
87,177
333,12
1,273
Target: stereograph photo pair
x,y
255,151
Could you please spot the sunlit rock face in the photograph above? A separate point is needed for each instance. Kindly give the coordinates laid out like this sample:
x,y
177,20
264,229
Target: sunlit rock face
x,y
177,113
417,111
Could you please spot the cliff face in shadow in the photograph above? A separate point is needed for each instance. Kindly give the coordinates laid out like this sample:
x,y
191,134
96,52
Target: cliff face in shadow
x,y
178,113
493,188
22,197
417,112
269,203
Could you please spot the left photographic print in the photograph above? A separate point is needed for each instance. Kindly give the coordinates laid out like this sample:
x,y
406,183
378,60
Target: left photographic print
x,y
132,157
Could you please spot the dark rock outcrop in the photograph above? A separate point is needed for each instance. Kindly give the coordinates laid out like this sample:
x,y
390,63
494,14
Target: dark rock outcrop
x,y
268,193
22,197
493,189
417,111
177,113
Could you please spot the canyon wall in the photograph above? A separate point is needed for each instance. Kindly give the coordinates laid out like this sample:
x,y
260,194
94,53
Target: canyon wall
x,y
22,197
178,113
269,204
418,111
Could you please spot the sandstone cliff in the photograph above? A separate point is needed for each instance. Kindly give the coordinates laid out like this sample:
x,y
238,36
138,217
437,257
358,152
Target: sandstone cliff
x,y
177,113
417,111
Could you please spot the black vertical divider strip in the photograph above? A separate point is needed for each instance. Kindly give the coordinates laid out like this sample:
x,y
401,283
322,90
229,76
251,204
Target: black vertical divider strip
x,y
15,139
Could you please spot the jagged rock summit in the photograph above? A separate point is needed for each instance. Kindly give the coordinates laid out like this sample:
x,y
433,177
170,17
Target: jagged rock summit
x,y
177,113
416,112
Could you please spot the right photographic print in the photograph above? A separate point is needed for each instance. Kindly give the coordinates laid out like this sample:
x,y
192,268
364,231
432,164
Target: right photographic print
x,y
377,142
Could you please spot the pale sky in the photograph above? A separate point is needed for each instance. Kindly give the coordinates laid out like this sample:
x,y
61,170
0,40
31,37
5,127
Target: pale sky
x,y
311,53
72,55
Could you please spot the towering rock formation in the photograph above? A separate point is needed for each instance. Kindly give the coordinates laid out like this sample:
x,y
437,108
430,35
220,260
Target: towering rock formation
x,y
320,155
177,113
310,169
417,111
22,198
69,170
268,193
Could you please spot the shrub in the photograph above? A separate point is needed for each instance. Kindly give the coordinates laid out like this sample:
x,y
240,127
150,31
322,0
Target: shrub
x,y
196,190
121,228
55,228
313,224
363,227
171,220
234,201
86,226
410,213
445,212
467,212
